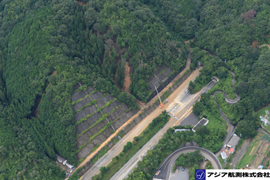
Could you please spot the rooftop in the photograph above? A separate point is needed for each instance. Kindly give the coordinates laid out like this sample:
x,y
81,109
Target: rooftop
x,y
179,130
233,141
202,122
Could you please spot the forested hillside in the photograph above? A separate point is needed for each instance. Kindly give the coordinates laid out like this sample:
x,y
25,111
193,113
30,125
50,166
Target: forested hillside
x,y
47,47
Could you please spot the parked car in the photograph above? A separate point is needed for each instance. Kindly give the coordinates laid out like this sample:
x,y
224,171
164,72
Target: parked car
x,y
183,168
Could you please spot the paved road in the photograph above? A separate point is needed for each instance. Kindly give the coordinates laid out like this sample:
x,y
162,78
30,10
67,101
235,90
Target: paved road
x,y
167,165
106,159
143,106
127,168
229,101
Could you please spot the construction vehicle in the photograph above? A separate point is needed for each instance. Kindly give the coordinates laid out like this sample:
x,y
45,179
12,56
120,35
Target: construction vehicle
x,y
161,105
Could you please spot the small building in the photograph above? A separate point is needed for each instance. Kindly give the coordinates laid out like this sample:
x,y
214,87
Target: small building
x,y
202,122
233,141
180,130
71,168
231,150
224,154
61,159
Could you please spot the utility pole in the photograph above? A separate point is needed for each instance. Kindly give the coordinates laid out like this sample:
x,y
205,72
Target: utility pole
x,y
161,105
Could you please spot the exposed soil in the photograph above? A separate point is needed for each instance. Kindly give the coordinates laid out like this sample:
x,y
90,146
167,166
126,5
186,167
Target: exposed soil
x,y
127,80
255,43
265,45
81,3
54,72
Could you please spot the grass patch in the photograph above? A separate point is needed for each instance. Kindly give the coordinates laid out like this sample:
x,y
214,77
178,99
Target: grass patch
x,y
115,140
84,119
128,110
266,165
266,127
75,102
238,146
81,88
121,134
108,103
92,92
138,143
75,175
95,160
221,162
226,86
225,107
98,121
88,104
266,151
212,114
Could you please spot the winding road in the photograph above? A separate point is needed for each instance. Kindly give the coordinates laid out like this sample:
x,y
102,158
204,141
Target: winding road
x,y
166,167
229,101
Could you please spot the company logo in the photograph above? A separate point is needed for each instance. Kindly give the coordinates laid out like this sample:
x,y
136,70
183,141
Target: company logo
x,y
200,174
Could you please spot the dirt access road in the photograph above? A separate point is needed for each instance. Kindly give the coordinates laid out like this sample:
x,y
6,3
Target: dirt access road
x,y
142,105
106,159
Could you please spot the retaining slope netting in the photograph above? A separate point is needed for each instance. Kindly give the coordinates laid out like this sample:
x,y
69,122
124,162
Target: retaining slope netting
x,y
101,102
158,71
78,95
96,95
81,103
84,112
123,118
89,122
111,107
165,83
161,77
85,151
89,89
98,129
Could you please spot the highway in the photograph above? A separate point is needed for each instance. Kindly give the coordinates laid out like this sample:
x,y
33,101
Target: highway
x,y
167,165
127,168
138,129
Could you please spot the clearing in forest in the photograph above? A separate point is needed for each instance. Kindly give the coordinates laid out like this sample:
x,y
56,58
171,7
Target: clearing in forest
x,y
127,80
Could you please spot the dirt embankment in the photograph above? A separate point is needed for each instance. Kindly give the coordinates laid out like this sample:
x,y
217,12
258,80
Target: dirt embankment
x,y
127,80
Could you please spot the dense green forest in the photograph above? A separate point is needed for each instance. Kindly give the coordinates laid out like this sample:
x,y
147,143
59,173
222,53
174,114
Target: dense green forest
x,y
47,47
